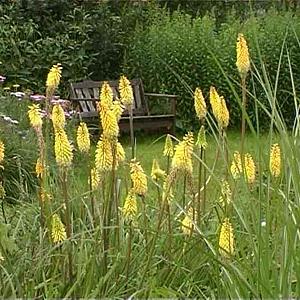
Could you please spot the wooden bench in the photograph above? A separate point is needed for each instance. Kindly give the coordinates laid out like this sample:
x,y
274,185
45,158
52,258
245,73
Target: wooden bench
x,y
85,94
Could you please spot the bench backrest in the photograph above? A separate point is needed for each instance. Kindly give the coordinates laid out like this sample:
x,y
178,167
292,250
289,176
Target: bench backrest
x,y
90,90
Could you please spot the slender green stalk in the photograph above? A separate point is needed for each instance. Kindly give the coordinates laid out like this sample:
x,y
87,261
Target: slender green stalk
x,y
159,224
128,257
170,231
204,186
225,149
152,249
243,130
199,185
113,197
131,132
91,192
145,221
184,190
67,221
108,205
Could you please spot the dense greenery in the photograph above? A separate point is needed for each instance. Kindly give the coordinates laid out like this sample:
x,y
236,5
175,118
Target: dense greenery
x,y
88,38
177,53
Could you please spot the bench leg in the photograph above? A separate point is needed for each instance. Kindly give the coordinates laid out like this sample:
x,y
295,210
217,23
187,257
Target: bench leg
x,y
173,128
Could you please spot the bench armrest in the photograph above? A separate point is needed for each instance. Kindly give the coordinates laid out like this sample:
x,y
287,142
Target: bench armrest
x,y
160,95
170,97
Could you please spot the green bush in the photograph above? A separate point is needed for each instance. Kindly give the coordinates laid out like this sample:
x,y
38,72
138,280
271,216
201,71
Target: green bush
x,y
177,53
87,38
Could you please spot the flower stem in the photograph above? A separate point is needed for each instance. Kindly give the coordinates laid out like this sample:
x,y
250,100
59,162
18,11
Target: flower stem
x,y
131,132
184,191
244,104
128,259
91,191
145,221
67,220
199,185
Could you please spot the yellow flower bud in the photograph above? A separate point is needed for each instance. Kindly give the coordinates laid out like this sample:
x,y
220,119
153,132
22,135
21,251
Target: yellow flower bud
x,y
35,117
182,159
275,160
83,138
58,231
226,239
53,78
168,149
138,178
242,56
130,206
200,105
62,148
126,93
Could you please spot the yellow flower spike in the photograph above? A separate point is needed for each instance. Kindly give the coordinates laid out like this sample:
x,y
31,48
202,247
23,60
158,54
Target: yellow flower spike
x,y
58,231
120,153
223,114
103,158
2,150
1,257
187,224
215,101
126,93
130,206
249,168
168,149
106,97
58,116
236,165
182,159
226,194
138,178
35,117
201,140
109,124
226,239
275,160
83,138
156,172
53,77
200,105
62,148
39,168
242,56
96,179
117,109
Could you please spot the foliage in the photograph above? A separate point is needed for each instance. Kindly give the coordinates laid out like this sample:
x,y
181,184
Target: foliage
x,y
19,164
176,54
87,38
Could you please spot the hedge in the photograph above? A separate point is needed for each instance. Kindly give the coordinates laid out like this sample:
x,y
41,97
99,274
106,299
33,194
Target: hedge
x,y
178,53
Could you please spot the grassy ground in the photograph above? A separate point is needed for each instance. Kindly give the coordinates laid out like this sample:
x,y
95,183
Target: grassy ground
x,y
180,266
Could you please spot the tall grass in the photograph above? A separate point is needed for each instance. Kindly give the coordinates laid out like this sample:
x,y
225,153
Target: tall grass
x,y
265,219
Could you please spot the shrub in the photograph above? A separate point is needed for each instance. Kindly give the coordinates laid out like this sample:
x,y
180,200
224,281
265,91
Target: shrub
x,y
177,53
87,38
